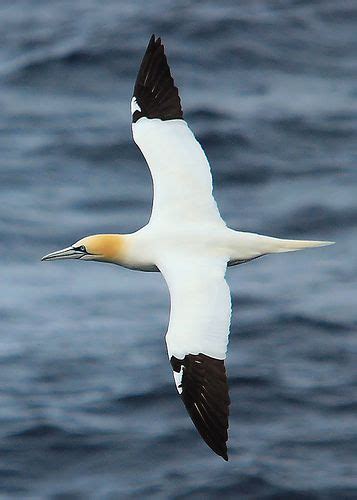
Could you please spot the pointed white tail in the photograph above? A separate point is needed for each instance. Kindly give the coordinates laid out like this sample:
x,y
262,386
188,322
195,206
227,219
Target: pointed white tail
x,y
247,246
278,245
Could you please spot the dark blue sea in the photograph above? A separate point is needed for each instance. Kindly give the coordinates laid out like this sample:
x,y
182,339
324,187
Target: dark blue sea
x,y
88,408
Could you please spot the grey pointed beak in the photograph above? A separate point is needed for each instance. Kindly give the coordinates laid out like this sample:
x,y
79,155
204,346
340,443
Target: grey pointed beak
x,y
66,253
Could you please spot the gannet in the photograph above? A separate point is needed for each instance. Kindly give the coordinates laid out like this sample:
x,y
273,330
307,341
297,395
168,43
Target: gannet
x,y
186,240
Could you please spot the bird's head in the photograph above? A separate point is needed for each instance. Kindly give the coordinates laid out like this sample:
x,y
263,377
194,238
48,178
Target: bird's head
x,y
100,247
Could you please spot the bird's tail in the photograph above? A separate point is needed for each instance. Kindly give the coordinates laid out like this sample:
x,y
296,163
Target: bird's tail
x,y
277,245
249,246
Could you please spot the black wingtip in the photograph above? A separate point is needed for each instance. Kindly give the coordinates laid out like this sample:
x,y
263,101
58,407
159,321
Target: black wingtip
x,y
205,395
151,42
155,93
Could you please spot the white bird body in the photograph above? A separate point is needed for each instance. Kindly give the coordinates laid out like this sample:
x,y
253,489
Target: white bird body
x,y
145,248
187,241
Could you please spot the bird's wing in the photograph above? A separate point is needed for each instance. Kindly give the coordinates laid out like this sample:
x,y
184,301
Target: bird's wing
x,y
179,167
197,341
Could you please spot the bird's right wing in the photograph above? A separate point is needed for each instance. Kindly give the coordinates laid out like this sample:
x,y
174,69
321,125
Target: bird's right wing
x,y
197,340
179,167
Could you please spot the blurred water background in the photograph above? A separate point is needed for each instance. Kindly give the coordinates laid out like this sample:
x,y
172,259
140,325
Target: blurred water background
x,y
88,408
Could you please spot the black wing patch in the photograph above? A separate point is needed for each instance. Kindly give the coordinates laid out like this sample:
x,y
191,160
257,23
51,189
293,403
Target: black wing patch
x,y
204,389
155,94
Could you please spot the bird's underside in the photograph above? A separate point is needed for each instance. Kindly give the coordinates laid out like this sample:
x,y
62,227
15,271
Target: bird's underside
x,y
199,247
188,242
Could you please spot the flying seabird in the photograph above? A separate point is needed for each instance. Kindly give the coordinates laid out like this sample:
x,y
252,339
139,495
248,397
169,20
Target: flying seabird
x,y
186,240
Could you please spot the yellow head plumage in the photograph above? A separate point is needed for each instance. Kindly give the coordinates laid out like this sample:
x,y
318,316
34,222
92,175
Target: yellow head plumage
x,y
106,247
100,247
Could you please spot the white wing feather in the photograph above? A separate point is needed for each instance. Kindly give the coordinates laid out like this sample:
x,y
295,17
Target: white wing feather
x,y
180,171
200,306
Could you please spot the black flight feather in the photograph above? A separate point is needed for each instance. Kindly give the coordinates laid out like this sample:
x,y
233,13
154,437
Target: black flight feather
x,y
155,92
205,394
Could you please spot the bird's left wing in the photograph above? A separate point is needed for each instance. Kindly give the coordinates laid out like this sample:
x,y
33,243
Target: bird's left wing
x,y
197,341
179,167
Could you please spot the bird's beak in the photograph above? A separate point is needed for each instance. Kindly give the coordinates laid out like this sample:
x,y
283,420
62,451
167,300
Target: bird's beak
x,y
66,253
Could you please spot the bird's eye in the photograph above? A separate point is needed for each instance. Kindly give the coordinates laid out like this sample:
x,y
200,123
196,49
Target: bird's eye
x,y
82,248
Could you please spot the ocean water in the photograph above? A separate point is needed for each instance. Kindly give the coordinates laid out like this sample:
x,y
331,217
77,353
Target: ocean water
x,y
88,409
